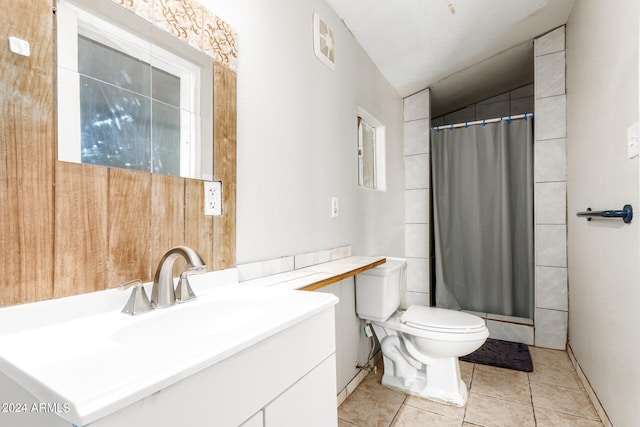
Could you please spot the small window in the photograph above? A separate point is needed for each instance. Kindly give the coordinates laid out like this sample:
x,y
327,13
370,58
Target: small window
x,y
128,102
366,154
124,103
370,152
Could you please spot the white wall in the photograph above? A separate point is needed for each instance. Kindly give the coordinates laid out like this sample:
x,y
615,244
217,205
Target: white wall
x,y
352,348
603,256
297,136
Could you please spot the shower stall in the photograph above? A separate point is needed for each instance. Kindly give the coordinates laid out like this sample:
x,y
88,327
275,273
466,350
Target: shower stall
x,y
483,227
546,95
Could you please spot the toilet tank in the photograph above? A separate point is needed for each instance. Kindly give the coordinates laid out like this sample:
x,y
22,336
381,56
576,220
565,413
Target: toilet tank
x,y
378,290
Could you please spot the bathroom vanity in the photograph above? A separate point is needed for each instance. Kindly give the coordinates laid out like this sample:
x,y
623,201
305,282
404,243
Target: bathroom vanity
x,y
238,355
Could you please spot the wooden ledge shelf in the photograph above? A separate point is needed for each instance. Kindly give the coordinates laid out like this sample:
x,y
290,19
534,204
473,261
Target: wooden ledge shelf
x,y
341,276
318,276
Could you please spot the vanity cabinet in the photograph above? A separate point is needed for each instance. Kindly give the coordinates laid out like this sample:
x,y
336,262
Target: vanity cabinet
x,y
296,366
286,379
304,404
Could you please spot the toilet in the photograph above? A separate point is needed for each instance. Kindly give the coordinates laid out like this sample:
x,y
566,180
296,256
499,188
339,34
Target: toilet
x,y
421,345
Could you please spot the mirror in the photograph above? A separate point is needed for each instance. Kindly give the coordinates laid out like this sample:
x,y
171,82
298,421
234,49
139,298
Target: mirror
x,y
131,95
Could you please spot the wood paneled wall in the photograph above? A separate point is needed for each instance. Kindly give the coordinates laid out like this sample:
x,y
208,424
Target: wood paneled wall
x,y
66,228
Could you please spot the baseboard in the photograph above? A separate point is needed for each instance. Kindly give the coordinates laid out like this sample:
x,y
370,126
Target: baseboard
x,y
355,381
592,395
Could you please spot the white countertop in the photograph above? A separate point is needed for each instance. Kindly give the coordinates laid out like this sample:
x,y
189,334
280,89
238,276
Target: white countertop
x,y
318,275
99,360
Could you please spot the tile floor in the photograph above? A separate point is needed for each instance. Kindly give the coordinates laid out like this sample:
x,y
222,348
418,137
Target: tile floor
x,y
551,395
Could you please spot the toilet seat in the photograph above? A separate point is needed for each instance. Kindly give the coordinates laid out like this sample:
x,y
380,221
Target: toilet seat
x,y
434,319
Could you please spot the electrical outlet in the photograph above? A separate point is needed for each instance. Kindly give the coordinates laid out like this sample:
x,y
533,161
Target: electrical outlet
x,y
213,198
335,209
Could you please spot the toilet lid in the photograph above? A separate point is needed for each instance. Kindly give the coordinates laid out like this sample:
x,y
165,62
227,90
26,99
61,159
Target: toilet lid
x,y
441,319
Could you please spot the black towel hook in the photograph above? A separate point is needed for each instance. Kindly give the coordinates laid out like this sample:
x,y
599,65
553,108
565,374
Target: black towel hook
x,y
626,214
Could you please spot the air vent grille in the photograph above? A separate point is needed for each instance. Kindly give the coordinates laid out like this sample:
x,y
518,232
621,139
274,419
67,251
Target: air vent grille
x,y
324,42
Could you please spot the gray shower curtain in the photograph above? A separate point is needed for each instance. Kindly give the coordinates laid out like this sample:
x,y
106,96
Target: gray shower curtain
x,y
483,217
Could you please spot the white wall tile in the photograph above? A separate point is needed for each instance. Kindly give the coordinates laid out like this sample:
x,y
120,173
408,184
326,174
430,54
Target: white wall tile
x,y
341,252
551,328
417,298
416,106
265,268
498,98
550,203
416,206
550,42
416,171
551,117
418,275
510,331
493,110
550,160
467,114
311,258
416,240
523,105
551,288
355,382
551,245
416,137
550,75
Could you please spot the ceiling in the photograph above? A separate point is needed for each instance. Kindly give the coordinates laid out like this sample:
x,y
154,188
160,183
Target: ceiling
x,y
464,50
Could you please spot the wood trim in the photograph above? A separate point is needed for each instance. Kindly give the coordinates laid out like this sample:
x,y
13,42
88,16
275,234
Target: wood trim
x,y
129,222
339,277
224,164
167,218
26,154
81,245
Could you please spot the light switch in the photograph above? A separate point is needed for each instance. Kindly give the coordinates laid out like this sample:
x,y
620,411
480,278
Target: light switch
x,y
19,46
335,209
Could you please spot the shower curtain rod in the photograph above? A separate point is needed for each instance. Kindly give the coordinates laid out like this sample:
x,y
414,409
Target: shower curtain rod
x,y
484,122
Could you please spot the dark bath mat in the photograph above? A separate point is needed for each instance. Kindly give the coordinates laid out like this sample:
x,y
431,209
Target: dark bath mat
x,y
502,354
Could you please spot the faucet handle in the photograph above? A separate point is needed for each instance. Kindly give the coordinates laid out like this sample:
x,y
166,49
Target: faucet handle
x,y
184,292
138,301
126,285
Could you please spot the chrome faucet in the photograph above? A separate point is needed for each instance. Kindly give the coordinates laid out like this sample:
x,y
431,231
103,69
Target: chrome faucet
x,y
163,294
138,301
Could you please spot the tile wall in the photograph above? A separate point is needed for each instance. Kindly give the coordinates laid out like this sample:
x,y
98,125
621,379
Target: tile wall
x,y
547,98
188,20
550,191
290,263
512,103
416,197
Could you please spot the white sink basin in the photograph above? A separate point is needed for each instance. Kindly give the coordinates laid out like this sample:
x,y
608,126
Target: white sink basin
x,y
83,351
193,320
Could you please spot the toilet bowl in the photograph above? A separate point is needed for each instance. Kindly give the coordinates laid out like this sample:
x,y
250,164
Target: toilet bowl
x,y
420,346
439,332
